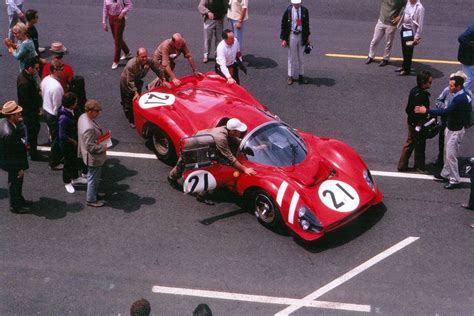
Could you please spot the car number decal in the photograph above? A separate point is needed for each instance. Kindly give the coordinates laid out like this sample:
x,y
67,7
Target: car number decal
x,y
338,196
155,99
199,181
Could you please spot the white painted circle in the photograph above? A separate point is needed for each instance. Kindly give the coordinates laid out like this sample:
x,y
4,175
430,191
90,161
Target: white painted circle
x,y
155,99
338,196
199,181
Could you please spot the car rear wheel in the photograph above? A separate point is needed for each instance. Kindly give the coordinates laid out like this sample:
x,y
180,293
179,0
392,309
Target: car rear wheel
x,y
266,210
162,145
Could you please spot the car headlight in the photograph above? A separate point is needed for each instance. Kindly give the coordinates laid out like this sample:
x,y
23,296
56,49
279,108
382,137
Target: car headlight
x,y
308,221
368,178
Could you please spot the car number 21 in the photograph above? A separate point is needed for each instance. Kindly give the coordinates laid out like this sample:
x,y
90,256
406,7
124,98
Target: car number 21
x,y
199,181
155,99
338,196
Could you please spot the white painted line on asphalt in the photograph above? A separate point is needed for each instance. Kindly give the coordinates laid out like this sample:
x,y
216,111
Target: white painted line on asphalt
x,y
260,299
405,175
349,275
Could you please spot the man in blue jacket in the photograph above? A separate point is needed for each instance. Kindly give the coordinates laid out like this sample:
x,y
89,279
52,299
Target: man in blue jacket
x,y
466,55
458,115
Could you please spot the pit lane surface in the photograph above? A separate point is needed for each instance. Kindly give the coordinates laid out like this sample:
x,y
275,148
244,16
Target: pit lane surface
x,y
67,258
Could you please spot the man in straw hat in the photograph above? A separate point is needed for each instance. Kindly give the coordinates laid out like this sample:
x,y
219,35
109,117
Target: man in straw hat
x,y
65,77
13,157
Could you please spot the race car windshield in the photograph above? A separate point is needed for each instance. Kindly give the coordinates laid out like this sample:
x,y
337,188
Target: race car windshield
x,y
275,145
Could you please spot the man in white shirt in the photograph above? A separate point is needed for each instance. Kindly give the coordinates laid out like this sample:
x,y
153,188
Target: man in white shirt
x,y
228,51
53,92
15,14
237,13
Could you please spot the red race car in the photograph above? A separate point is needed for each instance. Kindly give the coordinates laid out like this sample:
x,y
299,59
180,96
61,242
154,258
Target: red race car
x,y
311,184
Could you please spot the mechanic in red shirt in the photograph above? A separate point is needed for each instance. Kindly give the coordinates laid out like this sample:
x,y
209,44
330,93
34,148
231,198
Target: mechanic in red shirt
x,y
58,50
222,135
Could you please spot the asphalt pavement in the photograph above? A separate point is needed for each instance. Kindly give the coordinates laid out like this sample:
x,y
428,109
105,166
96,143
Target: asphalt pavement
x,y
150,240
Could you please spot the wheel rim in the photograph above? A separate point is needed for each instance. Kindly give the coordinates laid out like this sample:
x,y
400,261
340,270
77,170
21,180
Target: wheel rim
x,y
264,208
161,143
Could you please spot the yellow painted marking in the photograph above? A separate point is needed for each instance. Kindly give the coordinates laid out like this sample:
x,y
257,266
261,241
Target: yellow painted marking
x,y
428,61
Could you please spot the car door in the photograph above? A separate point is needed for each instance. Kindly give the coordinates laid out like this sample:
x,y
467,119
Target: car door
x,y
204,169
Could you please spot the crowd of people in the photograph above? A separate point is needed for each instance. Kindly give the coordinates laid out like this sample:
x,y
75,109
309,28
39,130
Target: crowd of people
x,y
47,89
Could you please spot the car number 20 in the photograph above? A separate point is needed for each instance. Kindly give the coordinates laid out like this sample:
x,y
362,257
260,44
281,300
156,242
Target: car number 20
x,y
199,181
338,196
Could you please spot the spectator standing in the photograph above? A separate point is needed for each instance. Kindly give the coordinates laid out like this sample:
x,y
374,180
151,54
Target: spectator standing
x,y
213,12
24,47
466,55
31,19
93,154
458,115
228,56
13,157
140,307
116,12
15,15
295,35
65,77
29,98
67,135
238,15
131,80
419,95
391,12
442,102
166,53
411,25
53,92
470,204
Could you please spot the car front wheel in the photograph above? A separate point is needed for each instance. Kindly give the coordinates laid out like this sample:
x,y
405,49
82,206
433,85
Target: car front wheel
x,y
266,210
162,145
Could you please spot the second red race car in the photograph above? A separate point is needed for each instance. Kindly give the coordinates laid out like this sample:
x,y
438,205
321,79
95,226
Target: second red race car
x,y
310,184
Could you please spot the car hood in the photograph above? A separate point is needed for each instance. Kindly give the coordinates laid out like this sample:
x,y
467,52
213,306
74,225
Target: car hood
x,y
310,172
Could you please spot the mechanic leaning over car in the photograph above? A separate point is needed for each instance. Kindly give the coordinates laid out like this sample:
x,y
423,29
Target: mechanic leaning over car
x,y
222,135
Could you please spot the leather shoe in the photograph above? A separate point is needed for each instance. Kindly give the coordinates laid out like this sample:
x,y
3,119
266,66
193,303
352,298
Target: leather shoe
x,y
204,200
422,171
369,60
96,204
440,178
383,63
451,186
19,210
289,81
467,206
404,73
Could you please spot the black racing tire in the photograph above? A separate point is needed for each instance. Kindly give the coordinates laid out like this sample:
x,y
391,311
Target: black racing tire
x,y
266,209
162,145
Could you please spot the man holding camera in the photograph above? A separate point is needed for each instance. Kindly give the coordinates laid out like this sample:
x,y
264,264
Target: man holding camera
x,y
295,35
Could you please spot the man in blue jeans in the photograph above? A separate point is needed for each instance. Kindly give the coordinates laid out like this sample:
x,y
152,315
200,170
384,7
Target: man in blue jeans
x,y
91,150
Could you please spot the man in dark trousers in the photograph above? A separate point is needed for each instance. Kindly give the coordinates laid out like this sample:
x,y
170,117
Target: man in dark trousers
x,y
458,114
13,157
419,95
29,98
466,55
295,35
213,13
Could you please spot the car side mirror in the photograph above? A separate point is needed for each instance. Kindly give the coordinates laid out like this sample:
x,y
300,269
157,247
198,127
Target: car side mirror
x,y
248,151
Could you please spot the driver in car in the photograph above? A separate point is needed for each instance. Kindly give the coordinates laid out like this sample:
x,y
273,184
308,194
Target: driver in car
x,y
223,135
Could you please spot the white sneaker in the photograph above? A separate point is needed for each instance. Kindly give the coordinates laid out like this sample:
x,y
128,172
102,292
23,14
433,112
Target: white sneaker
x,y
128,56
79,180
114,66
69,188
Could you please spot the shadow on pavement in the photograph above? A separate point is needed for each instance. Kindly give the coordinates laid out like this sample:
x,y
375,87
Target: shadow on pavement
x,y
328,82
117,195
54,209
346,233
259,62
416,68
3,193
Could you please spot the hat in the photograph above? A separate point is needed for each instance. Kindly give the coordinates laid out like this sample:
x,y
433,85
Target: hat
x,y
236,125
57,47
92,105
459,73
10,107
295,1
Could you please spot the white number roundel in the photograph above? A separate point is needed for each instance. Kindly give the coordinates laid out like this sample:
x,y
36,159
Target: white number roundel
x,y
155,99
338,196
199,181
